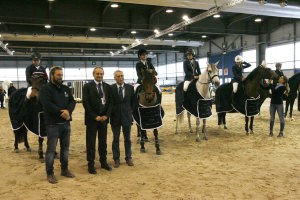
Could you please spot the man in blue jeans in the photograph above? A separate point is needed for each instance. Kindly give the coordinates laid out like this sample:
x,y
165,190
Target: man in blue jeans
x,y
58,105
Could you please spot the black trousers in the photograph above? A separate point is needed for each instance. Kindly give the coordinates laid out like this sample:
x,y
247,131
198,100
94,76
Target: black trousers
x,y
2,101
91,133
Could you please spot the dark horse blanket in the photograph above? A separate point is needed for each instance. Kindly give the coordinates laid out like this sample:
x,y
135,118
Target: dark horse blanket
x,y
148,117
242,104
192,101
25,112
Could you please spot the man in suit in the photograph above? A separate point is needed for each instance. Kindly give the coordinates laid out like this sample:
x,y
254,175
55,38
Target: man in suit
x,y
121,116
98,105
35,67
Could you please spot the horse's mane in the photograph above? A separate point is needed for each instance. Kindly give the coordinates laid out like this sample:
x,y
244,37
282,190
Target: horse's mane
x,y
252,74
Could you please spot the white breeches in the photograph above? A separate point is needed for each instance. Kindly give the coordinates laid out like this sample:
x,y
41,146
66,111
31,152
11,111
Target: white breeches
x,y
235,86
186,85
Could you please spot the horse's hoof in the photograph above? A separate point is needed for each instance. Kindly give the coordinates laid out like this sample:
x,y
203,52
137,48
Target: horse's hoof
x,y
17,151
292,119
158,152
28,149
251,132
143,150
247,133
191,131
197,139
138,140
225,127
42,160
205,138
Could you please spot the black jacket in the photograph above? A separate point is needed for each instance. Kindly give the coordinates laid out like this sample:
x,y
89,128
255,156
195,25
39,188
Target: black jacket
x,y
277,94
122,110
91,102
54,99
189,71
279,73
140,67
31,69
238,71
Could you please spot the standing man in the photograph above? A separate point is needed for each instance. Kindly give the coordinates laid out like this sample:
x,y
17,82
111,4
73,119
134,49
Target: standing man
x,y
98,105
121,116
58,105
191,69
278,70
35,67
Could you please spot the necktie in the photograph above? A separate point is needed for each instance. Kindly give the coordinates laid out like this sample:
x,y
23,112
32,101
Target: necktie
x,y
99,88
120,93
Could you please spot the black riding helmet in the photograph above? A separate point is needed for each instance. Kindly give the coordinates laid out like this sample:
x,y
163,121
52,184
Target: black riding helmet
x,y
190,51
36,56
142,51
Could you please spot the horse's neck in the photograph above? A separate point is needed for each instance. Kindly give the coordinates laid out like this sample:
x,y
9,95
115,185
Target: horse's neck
x,y
202,86
252,86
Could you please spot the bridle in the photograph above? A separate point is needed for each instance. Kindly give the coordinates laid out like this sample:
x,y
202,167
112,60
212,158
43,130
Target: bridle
x,y
210,77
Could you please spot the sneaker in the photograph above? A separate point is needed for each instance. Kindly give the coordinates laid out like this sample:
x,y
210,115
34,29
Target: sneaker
x,y
129,162
67,173
280,135
52,179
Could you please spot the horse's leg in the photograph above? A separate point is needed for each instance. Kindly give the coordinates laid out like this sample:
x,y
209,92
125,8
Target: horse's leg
x,y
138,134
189,121
246,125
220,119
40,151
26,142
142,143
197,130
158,152
16,150
224,120
291,108
204,129
251,124
176,131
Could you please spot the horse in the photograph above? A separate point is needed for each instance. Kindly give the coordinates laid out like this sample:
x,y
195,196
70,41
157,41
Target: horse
x,y
249,89
25,114
294,84
147,95
209,76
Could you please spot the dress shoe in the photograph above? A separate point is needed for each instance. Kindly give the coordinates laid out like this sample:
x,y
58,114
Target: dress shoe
x,y
52,179
129,162
92,170
67,173
106,166
117,164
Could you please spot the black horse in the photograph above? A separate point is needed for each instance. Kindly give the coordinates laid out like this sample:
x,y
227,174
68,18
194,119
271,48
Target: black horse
x,y
247,97
26,114
294,84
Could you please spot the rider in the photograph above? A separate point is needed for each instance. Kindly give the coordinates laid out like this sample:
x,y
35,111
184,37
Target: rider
x,y
237,70
143,64
35,67
191,69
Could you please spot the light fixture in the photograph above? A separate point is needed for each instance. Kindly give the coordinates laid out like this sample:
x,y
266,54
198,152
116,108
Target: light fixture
x,y
283,3
217,16
145,44
156,31
257,19
93,29
169,11
5,46
51,0
0,35
114,5
133,32
173,45
185,18
170,34
262,2
204,36
0,23
123,47
47,26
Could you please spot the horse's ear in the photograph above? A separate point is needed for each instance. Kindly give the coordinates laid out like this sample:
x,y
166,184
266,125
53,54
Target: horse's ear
x,y
216,64
264,64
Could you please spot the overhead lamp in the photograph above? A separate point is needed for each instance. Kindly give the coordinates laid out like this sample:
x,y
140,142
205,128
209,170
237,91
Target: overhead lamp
x,y
170,34
173,45
169,11
156,31
114,5
204,36
51,0
133,32
0,35
124,47
47,26
5,46
257,19
93,29
262,2
0,23
217,16
111,53
145,44
283,3
185,18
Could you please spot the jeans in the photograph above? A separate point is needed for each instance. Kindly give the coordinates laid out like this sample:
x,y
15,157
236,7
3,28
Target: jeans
x,y
279,109
127,142
55,132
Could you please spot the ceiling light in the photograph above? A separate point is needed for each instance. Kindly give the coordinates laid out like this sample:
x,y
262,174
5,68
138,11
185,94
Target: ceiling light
x,y
48,26
185,18
93,29
0,23
5,46
51,0
156,31
124,47
169,11
0,35
173,45
146,44
114,5
283,3
170,34
133,32
204,36
258,19
262,2
217,16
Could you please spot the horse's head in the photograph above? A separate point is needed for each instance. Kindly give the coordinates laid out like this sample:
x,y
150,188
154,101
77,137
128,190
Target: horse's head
x,y
148,96
213,73
267,73
38,79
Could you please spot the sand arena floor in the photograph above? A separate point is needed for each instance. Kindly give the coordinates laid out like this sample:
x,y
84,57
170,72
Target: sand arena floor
x,y
230,165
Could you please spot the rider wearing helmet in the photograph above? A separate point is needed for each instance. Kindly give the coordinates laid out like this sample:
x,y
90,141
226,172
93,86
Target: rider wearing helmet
x,y
35,67
191,68
237,70
143,64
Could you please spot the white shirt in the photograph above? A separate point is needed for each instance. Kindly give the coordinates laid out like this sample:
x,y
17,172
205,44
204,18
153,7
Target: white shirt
x,y
101,88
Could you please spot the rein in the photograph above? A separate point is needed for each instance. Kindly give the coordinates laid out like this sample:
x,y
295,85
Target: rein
x,y
210,78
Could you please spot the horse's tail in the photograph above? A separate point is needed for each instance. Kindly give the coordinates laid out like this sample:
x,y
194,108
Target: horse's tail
x,y
179,120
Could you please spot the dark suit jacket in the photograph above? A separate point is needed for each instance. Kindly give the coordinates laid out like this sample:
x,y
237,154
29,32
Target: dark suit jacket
x,y
188,70
141,67
31,69
91,102
238,71
122,110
